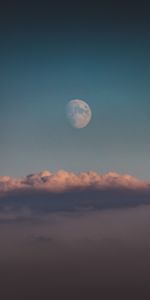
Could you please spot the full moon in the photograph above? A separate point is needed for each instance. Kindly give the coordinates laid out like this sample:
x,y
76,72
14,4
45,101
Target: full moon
x,y
78,113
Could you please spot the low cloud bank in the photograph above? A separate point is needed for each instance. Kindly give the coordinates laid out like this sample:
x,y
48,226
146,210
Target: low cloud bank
x,y
45,192
63,181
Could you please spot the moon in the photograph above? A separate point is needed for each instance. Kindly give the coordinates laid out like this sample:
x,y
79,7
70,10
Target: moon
x,y
79,113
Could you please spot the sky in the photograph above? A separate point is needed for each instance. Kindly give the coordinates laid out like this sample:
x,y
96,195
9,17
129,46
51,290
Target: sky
x,y
73,232
53,52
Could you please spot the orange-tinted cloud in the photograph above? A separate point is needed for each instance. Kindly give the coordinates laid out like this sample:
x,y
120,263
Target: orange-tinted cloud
x,y
62,181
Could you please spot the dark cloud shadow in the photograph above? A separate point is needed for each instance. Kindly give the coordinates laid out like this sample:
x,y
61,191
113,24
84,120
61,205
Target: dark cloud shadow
x,y
27,204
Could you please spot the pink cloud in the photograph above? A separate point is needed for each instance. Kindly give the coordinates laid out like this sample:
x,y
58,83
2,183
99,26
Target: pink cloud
x,y
62,181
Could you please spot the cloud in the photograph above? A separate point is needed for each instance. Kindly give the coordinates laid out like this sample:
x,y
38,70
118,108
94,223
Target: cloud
x,y
40,194
62,181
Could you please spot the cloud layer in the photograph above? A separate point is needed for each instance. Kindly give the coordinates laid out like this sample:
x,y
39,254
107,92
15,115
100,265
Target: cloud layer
x,y
62,181
45,192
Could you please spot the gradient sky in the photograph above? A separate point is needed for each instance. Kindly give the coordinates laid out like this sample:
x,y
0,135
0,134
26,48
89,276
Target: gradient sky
x,y
52,53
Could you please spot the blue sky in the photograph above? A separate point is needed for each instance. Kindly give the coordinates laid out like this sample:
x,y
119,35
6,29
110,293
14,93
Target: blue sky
x,y
43,69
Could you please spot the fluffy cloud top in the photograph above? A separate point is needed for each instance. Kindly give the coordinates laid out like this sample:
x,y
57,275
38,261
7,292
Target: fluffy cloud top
x,y
47,192
62,181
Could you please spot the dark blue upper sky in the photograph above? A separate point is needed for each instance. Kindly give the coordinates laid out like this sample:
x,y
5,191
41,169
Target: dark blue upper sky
x,y
52,53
